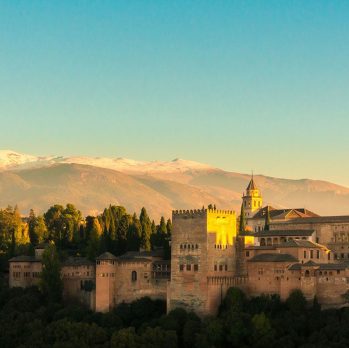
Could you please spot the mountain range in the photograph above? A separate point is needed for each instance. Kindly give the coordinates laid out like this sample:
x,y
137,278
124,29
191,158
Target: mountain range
x,y
92,183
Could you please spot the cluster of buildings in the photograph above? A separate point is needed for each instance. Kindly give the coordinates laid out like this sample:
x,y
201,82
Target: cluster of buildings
x,y
298,250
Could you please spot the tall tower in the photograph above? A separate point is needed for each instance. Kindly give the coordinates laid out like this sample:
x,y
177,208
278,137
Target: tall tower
x,y
203,262
252,199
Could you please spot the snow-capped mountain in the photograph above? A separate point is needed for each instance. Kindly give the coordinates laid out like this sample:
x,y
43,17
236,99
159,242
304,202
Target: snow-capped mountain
x,y
93,183
11,160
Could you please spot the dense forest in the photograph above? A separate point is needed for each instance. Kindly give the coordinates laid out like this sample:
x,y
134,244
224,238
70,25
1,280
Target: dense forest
x,y
29,319
114,230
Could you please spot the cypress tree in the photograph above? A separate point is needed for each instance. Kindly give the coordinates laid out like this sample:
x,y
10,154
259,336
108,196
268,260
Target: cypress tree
x,y
242,224
169,226
51,283
267,220
146,229
134,234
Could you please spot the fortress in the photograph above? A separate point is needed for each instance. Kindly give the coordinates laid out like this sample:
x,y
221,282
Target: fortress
x,y
264,251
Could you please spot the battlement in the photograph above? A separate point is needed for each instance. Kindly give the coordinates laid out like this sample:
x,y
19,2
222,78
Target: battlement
x,y
221,211
193,213
185,214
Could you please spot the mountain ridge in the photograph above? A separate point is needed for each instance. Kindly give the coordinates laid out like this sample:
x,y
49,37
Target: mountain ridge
x,y
38,182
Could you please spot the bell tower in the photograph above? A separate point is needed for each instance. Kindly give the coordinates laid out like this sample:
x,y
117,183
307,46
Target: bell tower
x,y
252,199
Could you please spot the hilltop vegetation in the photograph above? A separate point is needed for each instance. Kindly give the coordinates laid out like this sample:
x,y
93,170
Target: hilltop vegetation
x,y
115,230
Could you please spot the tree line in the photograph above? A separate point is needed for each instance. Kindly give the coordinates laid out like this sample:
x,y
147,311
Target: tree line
x,y
28,318
114,230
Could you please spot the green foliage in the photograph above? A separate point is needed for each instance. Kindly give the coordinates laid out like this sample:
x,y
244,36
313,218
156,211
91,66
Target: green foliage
x,y
267,220
93,233
125,338
296,302
27,320
51,283
262,330
63,224
242,224
146,230
234,301
37,228
13,233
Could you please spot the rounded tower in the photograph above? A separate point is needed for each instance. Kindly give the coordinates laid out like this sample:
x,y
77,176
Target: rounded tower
x,y
252,199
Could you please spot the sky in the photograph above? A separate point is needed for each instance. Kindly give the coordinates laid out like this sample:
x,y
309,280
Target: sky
x,y
241,85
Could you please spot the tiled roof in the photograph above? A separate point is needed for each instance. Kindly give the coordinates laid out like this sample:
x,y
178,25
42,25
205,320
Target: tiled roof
x,y
77,261
301,244
260,247
281,214
24,258
320,266
319,219
106,256
275,257
291,233
141,256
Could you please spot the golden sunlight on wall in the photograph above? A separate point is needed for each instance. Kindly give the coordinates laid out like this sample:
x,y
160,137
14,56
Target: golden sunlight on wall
x,y
223,223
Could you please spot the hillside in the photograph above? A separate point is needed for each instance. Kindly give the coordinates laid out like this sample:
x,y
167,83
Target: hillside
x,y
38,182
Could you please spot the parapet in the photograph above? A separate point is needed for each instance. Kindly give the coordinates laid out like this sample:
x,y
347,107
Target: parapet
x,y
220,211
194,213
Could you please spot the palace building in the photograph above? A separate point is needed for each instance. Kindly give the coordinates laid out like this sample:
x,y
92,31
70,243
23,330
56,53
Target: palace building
x,y
278,251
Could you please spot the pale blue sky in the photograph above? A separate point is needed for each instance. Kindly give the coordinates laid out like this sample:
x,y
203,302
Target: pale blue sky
x,y
241,85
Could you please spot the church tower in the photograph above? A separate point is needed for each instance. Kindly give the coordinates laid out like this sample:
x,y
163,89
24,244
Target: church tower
x,y
252,199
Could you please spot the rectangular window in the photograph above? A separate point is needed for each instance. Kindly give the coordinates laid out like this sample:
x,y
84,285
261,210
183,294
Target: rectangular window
x,y
247,254
311,254
317,254
305,254
181,267
196,268
226,267
215,267
221,267
188,267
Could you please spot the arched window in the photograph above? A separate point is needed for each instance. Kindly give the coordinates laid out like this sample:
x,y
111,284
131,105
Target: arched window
x,y
134,276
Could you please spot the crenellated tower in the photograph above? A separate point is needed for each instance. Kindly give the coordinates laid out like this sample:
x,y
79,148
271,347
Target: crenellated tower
x,y
252,199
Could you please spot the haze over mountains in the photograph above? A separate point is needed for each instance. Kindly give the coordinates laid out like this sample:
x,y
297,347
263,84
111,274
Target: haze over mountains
x,y
93,183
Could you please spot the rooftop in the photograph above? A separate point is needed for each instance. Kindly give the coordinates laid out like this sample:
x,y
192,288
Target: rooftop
x,y
301,244
251,185
320,219
283,214
281,233
24,258
273,257
77,261
320,266
106,256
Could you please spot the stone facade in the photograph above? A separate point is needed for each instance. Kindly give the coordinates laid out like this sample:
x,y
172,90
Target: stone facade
x,y
298,250
203,259
130,277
